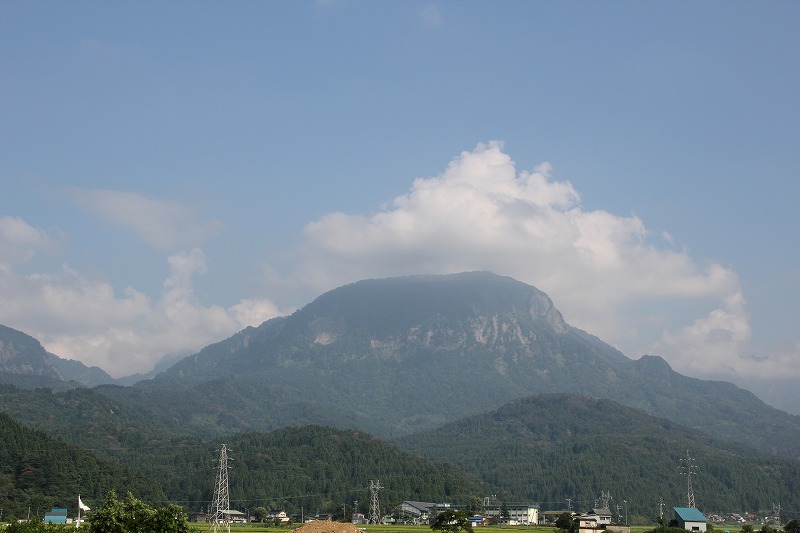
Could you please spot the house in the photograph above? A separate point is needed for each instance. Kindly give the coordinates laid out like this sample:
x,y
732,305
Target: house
x,y
598,520
278,514
603,515
588,523
358,518
56,516
690,519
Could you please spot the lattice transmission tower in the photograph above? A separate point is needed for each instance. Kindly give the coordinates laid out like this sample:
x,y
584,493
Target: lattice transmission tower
x,y
220,520
374,506
688,469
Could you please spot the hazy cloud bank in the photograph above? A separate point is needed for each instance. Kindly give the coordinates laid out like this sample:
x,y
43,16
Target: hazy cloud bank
x,y
608,274
86,319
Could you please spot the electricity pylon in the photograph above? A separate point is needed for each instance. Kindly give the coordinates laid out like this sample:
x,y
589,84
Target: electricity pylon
x,y
374,506
220,521
688,468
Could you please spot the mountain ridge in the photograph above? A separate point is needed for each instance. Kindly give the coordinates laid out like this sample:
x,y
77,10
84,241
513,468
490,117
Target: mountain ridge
x,y
403,354
399,355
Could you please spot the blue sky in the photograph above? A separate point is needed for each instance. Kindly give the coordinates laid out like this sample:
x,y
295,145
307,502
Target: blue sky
x,y
175,171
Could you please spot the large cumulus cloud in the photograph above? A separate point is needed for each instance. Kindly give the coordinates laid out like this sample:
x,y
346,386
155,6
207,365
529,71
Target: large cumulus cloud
x,y
608,273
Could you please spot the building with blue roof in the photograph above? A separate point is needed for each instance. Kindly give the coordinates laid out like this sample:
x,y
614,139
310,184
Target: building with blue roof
x,y
57,515
690,519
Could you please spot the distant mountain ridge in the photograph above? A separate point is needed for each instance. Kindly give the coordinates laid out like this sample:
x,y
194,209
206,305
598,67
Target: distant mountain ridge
x,y
399,355
24,362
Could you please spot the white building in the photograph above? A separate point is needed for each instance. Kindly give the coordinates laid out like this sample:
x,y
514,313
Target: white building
x,y
518,514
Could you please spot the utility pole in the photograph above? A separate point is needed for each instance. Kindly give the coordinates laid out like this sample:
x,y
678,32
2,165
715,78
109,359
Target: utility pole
x,y
661,510
569,505
688,468
374,507
220,521
626,511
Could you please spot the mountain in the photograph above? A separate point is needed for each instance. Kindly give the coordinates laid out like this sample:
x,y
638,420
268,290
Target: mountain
x,y
549,447
41,472
25,363
395,356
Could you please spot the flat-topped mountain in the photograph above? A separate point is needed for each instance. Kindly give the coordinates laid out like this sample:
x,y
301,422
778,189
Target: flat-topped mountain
x,y
398,355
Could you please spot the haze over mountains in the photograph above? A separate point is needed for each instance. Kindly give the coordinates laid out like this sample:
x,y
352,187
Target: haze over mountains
x,y
447,367
399,355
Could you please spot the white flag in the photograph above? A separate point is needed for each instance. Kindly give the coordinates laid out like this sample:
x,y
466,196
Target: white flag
x,y
82,505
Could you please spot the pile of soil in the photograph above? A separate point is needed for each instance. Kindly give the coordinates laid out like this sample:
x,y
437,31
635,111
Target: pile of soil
x,y
327,526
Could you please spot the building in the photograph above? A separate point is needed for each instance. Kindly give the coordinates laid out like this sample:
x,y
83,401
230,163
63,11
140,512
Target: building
x,y
56,516
690,519
518,514
420,512
277,514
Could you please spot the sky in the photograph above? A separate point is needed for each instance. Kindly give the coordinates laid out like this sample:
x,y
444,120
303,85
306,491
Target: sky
x,y
172,172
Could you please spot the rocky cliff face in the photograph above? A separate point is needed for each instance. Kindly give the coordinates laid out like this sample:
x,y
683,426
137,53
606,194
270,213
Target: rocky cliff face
x,y
22,354
25,363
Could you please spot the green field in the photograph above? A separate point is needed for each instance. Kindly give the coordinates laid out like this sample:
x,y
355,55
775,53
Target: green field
x,y
264,528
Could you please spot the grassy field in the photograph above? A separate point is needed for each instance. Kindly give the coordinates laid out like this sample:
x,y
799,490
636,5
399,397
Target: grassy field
x,y
264,528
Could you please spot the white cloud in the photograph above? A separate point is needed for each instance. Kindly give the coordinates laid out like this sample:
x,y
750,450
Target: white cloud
x,y
167,226
607,273
85,319
19,241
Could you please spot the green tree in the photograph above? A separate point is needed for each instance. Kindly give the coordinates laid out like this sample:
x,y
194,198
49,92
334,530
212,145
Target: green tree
x,y
564,521
450,521
793,526
475,505
748,528
260,514
135,516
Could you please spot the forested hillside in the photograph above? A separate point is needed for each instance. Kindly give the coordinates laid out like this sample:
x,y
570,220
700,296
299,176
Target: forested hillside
x,y
40,472
313,467
548,448
87,419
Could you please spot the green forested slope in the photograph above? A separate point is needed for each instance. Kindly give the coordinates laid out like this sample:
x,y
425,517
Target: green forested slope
x,y
313,467
551,447
42,472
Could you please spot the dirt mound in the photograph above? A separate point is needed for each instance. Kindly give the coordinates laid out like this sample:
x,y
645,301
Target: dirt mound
x,y
327,526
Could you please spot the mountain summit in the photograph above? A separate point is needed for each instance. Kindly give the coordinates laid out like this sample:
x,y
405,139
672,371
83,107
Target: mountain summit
x,y
394,356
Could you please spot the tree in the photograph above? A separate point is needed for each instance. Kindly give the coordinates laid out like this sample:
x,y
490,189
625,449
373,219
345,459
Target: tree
x,y
450,521
475,505
260,514
564,521
135,516
793,526
748,528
